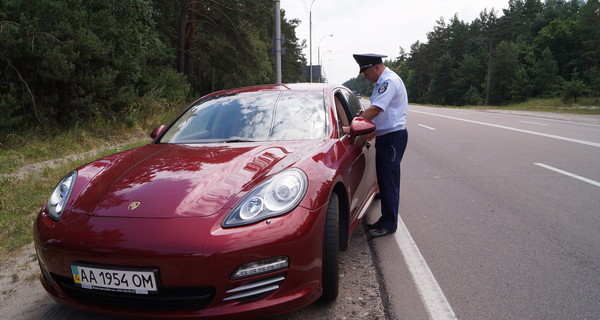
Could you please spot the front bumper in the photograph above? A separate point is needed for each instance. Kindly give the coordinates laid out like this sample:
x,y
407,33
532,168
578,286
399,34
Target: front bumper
x,y
195,259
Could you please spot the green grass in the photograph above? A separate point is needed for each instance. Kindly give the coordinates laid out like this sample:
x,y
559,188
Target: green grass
x,y
34,146
23,194
582,106
21,200
23,197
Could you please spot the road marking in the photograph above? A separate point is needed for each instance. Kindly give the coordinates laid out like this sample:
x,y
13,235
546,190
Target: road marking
x,y
536,123
431,294
426,127
593,144
592,182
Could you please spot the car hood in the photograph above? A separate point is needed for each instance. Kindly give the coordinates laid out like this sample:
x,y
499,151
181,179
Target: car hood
x,y
166,181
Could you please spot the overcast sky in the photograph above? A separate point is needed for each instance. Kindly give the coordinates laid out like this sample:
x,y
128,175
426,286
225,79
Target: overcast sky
x,y
363,26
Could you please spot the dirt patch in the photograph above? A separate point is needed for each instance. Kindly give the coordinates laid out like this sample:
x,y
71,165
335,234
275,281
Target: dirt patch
x,y
37,167
21,291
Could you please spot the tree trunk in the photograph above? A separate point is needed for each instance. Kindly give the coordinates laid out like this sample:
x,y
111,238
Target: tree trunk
x,y
183,17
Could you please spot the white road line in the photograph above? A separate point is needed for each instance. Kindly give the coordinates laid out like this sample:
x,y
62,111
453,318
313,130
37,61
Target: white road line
x,y
592,182
536,123
431,294
426,127
593,144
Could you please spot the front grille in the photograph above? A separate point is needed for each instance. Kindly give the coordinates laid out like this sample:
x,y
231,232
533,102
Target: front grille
x,y
194,298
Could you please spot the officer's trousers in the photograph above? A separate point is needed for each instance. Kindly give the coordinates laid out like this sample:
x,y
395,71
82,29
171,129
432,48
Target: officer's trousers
x,y
389,152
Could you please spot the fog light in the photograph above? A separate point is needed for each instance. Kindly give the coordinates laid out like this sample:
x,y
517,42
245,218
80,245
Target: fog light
x,y
261,267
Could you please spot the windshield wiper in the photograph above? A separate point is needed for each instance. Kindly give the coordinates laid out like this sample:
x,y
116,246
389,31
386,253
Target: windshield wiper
x,y
236,139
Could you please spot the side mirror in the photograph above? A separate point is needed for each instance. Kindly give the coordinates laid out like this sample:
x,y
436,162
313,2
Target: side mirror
x,y
361,126
157,132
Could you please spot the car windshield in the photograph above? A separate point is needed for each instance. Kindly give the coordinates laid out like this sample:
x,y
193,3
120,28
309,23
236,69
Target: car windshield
x,y
252,116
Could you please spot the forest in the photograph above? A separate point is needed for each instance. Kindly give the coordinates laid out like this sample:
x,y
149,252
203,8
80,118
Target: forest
x,y
533,49
70,62
64,62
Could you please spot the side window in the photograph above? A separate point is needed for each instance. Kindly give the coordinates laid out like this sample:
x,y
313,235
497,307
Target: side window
x,y
353,103
342,115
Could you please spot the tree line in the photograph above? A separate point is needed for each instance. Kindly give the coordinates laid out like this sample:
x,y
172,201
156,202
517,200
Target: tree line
x,y
534,49
69,61
64,62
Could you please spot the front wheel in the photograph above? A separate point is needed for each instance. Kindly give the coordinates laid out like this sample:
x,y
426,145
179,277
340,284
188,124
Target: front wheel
x,y
330,251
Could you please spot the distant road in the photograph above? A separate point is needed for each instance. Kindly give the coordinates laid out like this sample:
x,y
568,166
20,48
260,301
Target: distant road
x,y
504,211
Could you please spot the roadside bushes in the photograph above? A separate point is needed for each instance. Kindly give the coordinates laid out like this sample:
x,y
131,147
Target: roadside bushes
x,y
73,61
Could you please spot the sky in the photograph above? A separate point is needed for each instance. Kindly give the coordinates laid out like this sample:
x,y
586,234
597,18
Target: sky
x,y
368,26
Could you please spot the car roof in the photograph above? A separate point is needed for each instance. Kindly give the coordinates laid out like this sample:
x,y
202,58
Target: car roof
x,y
277,87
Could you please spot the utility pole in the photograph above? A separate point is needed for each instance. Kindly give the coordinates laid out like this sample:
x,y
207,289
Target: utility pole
x,y
277,41
310,39
488,80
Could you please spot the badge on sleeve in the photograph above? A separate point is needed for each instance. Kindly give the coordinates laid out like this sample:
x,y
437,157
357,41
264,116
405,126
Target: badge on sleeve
x,y
382,88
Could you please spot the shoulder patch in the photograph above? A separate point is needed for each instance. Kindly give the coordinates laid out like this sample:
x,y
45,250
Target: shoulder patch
x,y
382,88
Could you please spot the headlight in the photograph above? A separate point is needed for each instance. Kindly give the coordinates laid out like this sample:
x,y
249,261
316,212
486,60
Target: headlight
x,y
274,197
60,195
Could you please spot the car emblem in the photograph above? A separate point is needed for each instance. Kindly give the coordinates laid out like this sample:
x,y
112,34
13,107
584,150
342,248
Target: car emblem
x,y
134,205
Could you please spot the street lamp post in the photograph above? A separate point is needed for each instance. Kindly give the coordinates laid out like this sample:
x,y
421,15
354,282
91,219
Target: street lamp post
x,y
319,49
310,38
320,63
323,67
324,53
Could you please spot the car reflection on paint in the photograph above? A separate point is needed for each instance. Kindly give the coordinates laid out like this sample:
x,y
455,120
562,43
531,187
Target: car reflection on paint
x,y
237,209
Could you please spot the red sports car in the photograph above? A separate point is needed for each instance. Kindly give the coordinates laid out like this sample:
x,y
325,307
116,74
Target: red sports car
x,y
237,209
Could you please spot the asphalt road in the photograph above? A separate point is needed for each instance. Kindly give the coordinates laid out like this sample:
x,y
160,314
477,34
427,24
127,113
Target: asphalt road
x,y
502,216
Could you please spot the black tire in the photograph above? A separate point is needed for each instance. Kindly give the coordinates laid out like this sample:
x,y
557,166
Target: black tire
x,y
330,251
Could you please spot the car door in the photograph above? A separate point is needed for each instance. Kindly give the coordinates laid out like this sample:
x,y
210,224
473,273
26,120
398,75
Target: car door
x,y
362,178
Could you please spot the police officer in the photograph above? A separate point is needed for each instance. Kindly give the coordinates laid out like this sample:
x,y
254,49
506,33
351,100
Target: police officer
x,y
389,104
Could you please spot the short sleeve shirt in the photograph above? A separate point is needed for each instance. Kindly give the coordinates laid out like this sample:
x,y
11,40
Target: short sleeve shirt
x,y
389,94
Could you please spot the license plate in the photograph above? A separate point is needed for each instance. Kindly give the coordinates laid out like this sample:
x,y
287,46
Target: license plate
x,y
115,280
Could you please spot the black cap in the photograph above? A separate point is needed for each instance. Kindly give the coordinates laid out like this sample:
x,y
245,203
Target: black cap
x,y
368,60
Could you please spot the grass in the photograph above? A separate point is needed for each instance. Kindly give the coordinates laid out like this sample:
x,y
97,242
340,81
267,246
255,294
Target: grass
x,y
589,106
23,197
582,106
24,194
35,146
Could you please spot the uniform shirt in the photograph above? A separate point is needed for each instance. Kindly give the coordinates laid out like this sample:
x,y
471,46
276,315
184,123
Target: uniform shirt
x,y
389,94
